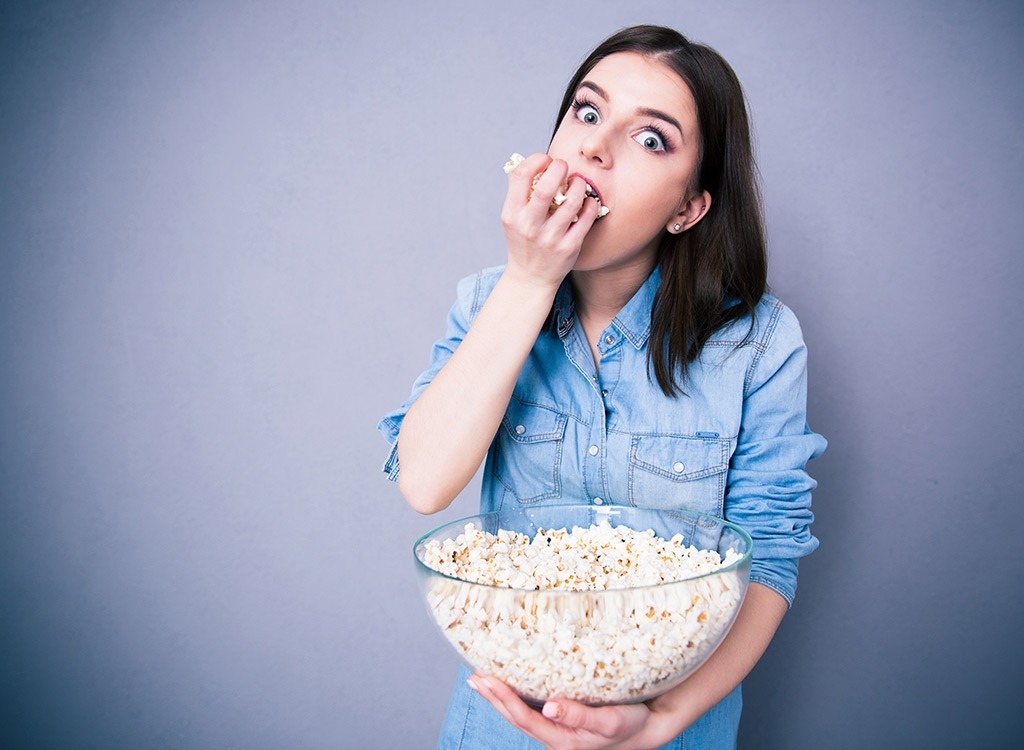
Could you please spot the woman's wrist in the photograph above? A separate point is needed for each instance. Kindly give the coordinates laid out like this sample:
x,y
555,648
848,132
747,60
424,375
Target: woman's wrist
x,y
670,715
673,712
528,289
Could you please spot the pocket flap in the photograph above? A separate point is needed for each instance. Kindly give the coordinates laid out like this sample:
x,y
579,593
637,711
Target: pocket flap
x,y
529,423
679,458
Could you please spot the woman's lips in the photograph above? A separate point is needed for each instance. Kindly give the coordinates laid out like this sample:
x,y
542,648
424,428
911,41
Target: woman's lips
x,y
591,187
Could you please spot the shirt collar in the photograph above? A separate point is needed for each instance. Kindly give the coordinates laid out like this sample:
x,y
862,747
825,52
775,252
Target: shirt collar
x,y
563,312
633,320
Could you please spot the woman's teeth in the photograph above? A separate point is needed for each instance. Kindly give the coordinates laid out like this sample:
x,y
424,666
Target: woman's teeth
x,y
516,159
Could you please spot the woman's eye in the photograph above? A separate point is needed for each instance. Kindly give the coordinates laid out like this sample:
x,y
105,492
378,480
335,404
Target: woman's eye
x,y
588,114
650,141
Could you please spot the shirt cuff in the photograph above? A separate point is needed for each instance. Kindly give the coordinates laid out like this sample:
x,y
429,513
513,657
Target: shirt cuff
x,y
391,466
778,575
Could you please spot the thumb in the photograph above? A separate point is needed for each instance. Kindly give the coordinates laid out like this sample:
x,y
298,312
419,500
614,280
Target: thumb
x,y
570,714
554,710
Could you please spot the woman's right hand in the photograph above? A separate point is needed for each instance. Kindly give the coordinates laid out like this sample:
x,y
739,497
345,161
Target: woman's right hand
x,y
446,434
543,244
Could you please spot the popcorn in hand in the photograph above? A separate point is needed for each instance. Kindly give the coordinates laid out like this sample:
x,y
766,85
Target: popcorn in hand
x,y
516,159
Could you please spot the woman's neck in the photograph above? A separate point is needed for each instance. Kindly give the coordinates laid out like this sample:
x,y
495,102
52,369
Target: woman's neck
x,y
598,296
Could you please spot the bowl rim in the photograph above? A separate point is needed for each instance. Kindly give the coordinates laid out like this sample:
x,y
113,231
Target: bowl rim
x,y
608,510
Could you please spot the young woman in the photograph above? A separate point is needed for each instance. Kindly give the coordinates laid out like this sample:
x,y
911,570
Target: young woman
x,y
632,359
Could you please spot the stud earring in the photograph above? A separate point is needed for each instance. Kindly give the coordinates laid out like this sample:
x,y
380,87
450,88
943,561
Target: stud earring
x,y
677,227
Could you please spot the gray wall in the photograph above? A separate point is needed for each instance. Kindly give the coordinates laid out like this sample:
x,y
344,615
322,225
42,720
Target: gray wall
x,y
229,233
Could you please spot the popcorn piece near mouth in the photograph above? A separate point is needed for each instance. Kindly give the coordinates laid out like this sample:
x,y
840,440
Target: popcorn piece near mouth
x,y
513,161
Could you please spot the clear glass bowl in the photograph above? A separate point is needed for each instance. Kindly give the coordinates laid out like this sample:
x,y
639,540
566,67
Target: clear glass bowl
x,y
601,647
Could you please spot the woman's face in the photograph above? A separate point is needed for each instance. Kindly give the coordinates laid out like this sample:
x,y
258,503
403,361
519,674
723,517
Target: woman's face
x,y
631,133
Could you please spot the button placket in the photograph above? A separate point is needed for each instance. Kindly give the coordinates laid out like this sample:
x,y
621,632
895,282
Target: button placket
x,y
594,452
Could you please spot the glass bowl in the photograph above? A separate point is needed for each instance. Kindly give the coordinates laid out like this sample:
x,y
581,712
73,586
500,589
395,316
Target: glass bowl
x,y
601,647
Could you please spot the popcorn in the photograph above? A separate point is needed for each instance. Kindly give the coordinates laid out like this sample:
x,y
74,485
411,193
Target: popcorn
x,y
516,159
513,161
642,612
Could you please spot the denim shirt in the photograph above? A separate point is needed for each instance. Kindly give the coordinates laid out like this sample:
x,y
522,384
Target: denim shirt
x,y
734,445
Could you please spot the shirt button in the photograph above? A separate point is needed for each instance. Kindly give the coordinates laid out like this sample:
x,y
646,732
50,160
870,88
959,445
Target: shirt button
x,y
594,450
678,467
598,501
520,429
608,339
604,394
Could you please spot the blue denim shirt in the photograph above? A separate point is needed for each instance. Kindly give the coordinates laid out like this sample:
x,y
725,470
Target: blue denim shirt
x,y
734,445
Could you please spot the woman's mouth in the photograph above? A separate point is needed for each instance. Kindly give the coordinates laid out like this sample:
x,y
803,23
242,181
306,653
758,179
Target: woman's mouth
x,y
590,188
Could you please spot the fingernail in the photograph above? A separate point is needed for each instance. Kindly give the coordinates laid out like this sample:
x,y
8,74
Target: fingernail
x,y
552,710
472,685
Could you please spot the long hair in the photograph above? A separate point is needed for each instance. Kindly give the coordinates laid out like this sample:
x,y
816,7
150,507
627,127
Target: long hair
x,y
715,272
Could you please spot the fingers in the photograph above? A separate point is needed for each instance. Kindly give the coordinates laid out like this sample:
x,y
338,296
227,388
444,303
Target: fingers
x,y
580,210
520,180
535,183
606,722
544,242
543,189
561,718
511,706
574,207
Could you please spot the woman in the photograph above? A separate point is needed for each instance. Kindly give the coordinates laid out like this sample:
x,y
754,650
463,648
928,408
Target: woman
x,y
632,359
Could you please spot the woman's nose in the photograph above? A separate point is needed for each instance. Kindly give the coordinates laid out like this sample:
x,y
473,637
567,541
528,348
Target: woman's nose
x,y
595,146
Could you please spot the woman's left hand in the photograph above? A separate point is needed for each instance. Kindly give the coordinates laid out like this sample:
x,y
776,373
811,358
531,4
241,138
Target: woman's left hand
x,y
568,724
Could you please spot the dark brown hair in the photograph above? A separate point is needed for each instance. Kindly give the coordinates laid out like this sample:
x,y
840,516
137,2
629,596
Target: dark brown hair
x,y
715,272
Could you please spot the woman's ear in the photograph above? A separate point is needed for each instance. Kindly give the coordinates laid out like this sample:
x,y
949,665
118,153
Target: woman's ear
x,y
692,210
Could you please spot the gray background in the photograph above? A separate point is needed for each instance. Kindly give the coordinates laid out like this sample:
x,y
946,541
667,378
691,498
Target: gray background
x,y
229,233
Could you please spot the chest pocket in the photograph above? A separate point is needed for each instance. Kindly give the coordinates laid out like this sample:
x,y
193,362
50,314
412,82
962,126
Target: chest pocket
x,y
668,471
529,451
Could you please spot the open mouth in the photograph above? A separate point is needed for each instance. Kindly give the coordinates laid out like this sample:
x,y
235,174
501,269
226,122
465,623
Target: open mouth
x,y
590,189
516,159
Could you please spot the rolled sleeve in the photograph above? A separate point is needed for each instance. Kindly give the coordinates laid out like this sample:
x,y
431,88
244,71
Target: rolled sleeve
x,y
472,292
769,491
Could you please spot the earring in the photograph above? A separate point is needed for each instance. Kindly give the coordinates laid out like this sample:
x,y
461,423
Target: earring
x,y
677,227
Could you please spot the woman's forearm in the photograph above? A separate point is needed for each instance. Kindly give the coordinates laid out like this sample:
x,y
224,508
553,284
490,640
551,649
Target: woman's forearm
x,y
446,434
756,623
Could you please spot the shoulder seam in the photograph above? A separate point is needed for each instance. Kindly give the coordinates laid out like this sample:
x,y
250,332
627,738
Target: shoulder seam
x,y
761,346
474,308
479,297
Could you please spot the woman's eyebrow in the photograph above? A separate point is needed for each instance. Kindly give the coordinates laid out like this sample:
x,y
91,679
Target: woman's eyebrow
x,y
649,111
657,113
595,88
